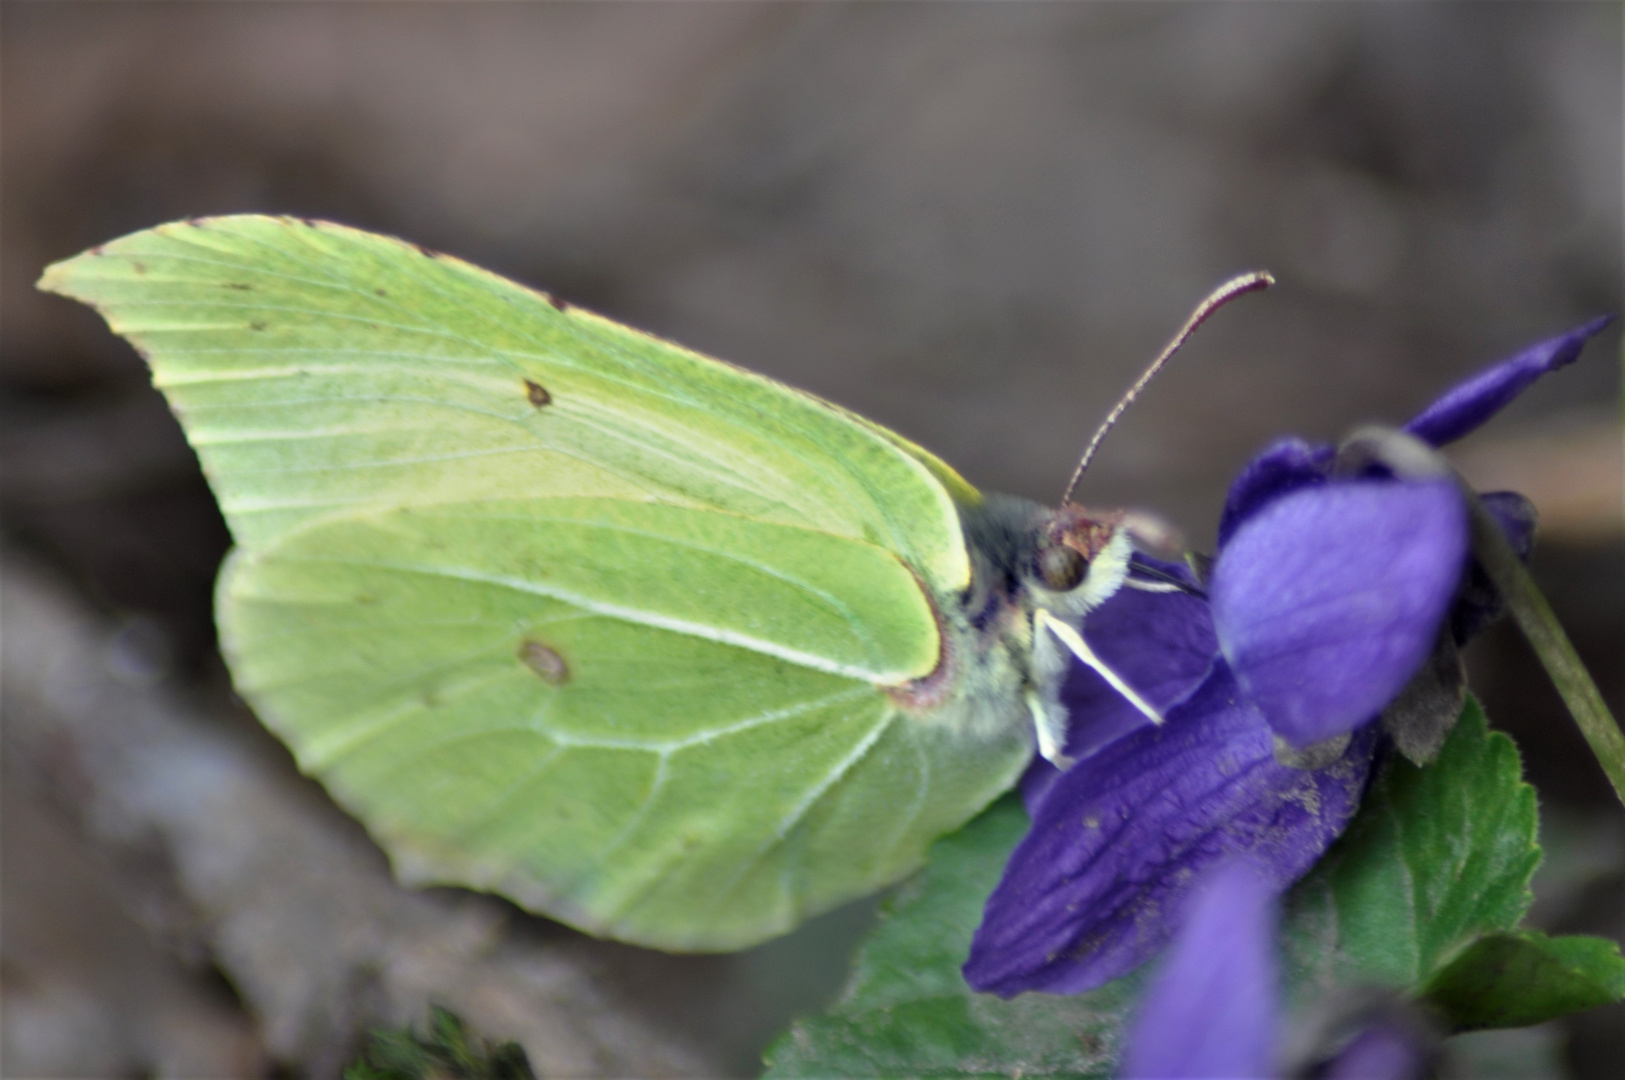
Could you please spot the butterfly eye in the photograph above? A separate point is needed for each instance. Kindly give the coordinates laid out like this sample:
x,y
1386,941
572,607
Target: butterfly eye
x,y
1061,567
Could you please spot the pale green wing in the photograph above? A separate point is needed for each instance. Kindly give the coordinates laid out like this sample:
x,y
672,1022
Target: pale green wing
x,y
555,607
457,678
319,369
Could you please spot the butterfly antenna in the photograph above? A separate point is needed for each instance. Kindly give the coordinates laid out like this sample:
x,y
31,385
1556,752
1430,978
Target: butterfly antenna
x,y
1246,283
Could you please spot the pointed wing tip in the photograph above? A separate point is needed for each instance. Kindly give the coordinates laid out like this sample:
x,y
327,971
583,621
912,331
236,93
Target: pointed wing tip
x,y
51,280
68,277
64,277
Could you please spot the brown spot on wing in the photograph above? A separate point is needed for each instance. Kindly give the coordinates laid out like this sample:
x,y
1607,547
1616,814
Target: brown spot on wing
x,y
257,325
556,302
544,661
537,393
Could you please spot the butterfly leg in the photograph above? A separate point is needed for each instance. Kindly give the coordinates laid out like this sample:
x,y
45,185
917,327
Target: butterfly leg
x,y
1155,586
1049,722
1043,620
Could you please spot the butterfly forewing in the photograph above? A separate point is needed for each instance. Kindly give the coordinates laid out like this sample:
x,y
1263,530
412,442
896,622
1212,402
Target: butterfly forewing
x,y
319,368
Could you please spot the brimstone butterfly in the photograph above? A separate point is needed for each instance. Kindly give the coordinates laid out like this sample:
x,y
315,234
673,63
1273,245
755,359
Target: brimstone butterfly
x,y
651,644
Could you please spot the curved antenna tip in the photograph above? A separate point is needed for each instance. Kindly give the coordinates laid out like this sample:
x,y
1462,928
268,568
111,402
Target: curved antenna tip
x,y
1252,281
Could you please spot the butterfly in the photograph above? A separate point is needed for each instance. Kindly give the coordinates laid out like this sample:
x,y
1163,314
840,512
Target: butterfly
x,y
659,647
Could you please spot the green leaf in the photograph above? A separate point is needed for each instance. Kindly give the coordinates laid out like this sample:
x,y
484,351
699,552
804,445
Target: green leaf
x,y
907,1010
1436,857
1516,979
449,1051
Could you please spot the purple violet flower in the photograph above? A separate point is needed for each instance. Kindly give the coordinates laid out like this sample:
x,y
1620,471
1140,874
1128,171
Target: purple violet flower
x,y
1328,594
1329,598
1090,892
1213,1007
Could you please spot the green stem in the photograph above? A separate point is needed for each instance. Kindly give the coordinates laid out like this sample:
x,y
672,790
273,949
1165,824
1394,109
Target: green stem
x,y
1540,626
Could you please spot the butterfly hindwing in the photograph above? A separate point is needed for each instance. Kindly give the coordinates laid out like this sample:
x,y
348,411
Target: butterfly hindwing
x,y
494,724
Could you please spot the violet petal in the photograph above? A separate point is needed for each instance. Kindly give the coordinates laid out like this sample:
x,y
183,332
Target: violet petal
x,y
1160,643
1517,517
1091,891
1382,1051
1284,466
1036,782
1328,600
1211,1010
1467,405
1478,602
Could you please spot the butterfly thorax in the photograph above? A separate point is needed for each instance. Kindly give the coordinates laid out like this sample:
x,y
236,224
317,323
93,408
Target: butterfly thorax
x,y
1029,564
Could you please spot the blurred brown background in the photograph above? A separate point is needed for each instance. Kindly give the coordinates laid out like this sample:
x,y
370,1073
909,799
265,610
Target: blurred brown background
x,y
973,223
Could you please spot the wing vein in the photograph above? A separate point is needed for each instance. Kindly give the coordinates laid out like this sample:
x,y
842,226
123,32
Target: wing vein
x,y
798,812
633,615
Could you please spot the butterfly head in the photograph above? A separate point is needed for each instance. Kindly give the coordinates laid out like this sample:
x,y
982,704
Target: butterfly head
x,y
1037,573
1079,559
1029,557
